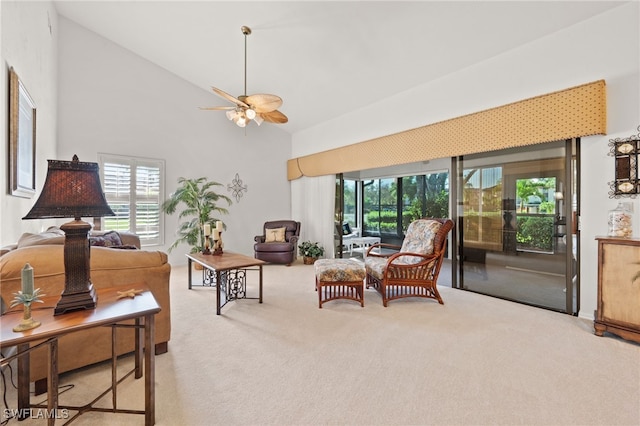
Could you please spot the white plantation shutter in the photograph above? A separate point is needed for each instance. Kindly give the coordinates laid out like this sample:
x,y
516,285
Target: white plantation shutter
x,y
116,186
134,190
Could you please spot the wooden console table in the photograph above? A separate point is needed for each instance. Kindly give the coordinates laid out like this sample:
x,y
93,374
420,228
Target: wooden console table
x,y
110,311
618,288
220,267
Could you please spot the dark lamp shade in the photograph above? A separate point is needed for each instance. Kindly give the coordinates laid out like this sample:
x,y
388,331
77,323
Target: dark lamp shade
x,y
71,189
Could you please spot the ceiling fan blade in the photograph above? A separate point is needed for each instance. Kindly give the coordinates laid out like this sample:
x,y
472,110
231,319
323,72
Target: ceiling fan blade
x,y
228,97
219,108
274,117
262,103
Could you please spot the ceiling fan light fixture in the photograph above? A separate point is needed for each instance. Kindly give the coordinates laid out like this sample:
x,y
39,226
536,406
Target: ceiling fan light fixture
x,y
257,107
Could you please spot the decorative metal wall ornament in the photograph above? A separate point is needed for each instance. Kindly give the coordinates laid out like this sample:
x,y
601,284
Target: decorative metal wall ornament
x,y
627,178
237,188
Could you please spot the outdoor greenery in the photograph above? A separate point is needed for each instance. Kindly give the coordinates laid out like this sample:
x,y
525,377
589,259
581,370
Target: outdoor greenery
x,y
535,233
538,188
200,203
393,203
407,198
436,205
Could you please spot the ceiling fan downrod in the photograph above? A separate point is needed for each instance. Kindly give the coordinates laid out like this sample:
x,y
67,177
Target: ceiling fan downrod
x,y
246,31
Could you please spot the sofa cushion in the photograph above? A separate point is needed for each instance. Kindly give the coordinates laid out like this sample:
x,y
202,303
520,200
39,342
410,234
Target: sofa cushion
x,y
55,235
274,235
48,261
128,238
52,235
274,247
108,239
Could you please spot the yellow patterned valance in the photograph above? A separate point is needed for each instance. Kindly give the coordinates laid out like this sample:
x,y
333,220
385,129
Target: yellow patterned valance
x,y
570,113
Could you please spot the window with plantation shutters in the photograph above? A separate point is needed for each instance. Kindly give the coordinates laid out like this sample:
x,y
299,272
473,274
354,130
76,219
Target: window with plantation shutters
x,y
134,189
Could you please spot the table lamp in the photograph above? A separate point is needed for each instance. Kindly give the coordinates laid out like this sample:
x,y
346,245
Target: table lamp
x,y
72,189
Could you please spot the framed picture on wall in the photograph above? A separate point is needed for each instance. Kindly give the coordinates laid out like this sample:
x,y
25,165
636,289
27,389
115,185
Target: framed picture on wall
x,y
22,139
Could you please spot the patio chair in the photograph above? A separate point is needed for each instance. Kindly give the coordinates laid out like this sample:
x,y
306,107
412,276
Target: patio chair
x,y
348,233
413,270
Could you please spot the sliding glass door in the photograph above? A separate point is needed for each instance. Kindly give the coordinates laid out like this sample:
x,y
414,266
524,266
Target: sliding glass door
x,y
515,221
346,211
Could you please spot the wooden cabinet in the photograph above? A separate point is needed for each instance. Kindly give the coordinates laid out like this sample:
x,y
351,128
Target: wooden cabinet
x,y
618,287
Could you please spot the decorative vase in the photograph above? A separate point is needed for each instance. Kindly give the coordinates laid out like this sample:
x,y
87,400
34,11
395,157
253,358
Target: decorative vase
x,y
620,222
309,260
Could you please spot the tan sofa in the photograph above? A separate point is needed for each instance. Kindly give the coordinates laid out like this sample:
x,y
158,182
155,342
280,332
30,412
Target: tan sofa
x,y
109,267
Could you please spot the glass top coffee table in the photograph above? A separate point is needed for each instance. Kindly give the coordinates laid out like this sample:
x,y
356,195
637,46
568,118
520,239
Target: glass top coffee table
x,y
228,273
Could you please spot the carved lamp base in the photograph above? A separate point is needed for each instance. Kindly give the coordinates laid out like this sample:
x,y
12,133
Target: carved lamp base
x,y
78,290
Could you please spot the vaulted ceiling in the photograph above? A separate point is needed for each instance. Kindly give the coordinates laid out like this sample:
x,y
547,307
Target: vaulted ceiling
x,y
323,58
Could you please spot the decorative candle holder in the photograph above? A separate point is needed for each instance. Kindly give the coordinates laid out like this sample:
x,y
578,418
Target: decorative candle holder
x,y
27,323
207,233
206,246
217,245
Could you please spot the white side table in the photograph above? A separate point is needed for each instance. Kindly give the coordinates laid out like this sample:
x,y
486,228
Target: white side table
x,y
362,243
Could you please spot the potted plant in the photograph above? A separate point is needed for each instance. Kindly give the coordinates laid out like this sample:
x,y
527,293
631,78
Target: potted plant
x,y
200,203
310,251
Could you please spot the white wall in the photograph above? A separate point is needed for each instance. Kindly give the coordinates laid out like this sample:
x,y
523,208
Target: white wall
x,y
113,101
604,47
29,32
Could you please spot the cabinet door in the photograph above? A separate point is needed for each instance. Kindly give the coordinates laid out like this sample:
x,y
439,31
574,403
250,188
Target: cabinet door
x,y
620,291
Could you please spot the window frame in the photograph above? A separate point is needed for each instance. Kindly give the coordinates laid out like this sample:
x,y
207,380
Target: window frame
x,y
134,163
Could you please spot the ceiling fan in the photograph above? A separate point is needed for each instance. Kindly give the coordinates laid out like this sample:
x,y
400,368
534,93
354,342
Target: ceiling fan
x,y
259,107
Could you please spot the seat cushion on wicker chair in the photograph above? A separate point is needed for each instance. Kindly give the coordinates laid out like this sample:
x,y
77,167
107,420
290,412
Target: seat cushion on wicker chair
x,y
339,270
375,266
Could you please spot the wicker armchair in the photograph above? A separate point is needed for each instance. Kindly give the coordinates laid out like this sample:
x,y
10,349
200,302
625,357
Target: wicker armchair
x,y
413,271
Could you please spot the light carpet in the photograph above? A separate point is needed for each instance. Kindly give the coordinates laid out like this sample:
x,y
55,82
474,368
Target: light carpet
x,y
475,360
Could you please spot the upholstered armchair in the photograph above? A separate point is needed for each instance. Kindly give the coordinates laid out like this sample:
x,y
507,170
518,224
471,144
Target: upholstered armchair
x,y
278,243
413,270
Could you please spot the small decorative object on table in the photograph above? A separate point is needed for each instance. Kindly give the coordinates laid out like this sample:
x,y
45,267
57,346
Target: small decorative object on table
x,y
26,297
129,293
217,239
207,234
620,222
310,252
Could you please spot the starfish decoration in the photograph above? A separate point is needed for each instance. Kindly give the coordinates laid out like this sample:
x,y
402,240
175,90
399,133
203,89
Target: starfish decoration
x,y
129,293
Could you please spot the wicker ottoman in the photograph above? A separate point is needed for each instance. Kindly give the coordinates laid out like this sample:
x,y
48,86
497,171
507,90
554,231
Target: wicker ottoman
x,y
339,279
